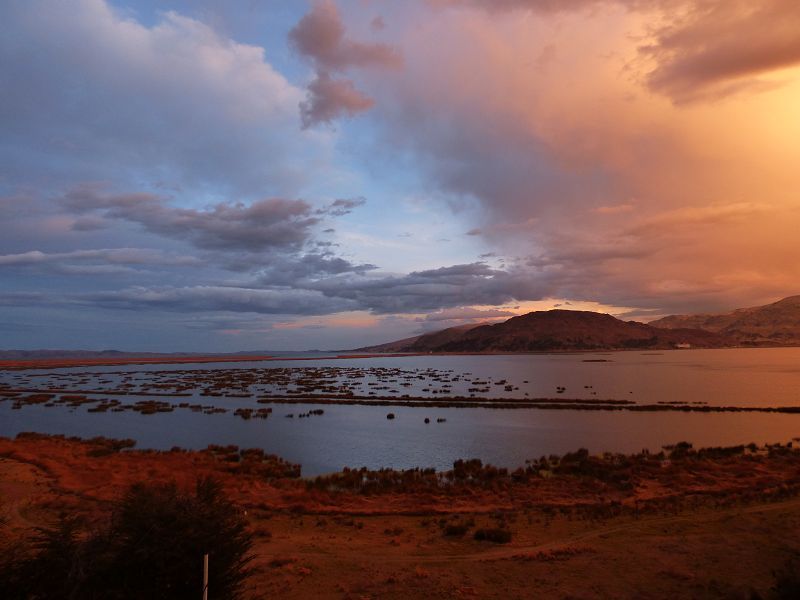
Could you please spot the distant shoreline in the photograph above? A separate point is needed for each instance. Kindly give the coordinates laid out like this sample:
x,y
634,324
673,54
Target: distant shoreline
x,y
170,359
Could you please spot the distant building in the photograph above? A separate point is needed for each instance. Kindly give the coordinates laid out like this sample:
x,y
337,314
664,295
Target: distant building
x,y
683,346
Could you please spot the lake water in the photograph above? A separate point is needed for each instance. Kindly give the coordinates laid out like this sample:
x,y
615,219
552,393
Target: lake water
x,y
353,435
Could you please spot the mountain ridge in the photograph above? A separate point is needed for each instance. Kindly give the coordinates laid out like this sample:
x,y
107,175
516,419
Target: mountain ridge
x,y
555,330
775,324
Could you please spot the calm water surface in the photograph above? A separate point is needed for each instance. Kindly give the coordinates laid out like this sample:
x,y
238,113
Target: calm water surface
x,y
361,435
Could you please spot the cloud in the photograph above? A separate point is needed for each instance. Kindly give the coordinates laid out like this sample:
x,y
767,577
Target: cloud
x,y
542,161
289,288
697,45
713,215
344,206
460,315
112,256
554,6
329,99
703,55
89,224
377,23
466,313
445,287
90,93
13,299
273,223
219,298
614,209
575,141
299,270
320,36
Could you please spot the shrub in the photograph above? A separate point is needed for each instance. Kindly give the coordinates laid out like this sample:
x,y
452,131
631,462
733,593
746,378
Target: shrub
x,y
456,529
152,548
496,535
56,553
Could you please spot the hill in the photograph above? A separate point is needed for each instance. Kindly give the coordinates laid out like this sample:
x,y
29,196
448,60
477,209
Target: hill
x,y
436,338
776,324
555,330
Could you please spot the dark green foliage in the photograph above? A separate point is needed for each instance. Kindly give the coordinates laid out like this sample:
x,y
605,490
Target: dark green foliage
x,y
152,548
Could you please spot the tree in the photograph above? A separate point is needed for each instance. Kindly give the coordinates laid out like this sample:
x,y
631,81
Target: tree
x,y
152,547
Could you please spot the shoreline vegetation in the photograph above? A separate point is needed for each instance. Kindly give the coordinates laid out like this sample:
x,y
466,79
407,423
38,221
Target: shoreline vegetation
x,y
680,519
677,473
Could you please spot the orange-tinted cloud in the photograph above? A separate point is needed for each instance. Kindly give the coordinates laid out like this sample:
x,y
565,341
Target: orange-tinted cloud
x,y
560,145
722,47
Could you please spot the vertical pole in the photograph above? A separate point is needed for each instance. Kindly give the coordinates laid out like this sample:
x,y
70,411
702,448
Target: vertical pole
x,y
205,576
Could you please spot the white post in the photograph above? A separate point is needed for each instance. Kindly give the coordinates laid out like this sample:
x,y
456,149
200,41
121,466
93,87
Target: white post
x,y
205,576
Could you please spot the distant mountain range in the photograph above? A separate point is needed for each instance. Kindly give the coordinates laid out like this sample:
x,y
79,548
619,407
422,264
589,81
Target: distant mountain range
x,y
776,324
555,330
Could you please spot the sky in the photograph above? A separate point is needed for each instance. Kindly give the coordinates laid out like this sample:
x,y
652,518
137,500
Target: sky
x,y
192,175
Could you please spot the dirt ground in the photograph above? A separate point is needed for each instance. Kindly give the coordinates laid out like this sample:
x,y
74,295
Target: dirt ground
x,y
724,544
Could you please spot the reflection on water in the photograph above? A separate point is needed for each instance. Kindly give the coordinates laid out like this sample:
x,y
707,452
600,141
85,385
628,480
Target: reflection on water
x,y
361,435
